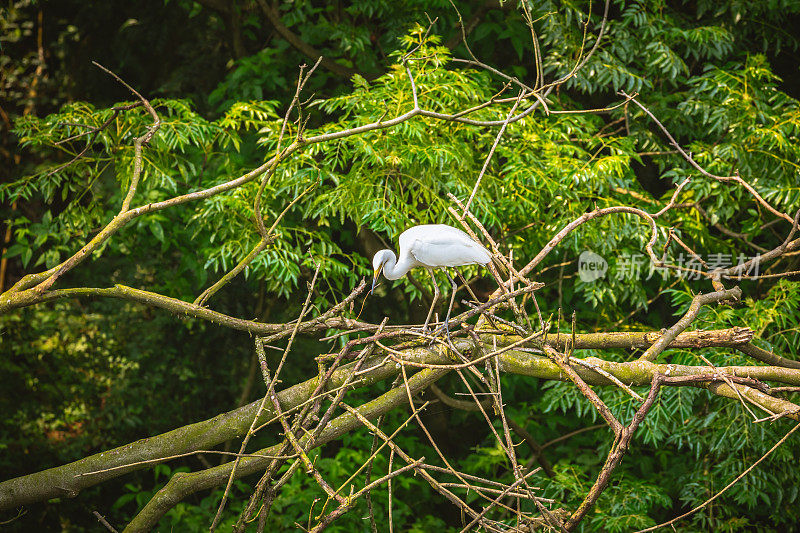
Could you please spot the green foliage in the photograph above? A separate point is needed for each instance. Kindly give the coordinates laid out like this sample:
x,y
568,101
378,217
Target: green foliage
x,y
386,180
63,372
627,511
187,517
252,79
87,376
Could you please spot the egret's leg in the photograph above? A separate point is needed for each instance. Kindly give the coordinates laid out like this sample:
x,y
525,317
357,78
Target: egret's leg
x,y
435,299
450,307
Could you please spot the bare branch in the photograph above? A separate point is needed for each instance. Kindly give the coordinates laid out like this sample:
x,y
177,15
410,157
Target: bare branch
x,y
697,303
703,171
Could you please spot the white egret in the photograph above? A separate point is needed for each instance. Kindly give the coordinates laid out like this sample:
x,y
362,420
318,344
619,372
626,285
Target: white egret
x,y
430,246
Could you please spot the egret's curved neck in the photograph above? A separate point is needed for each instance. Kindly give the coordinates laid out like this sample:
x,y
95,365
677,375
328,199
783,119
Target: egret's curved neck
x,y
394,269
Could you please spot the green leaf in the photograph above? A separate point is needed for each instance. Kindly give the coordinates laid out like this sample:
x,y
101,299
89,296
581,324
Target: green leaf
x,y
158,230
15,250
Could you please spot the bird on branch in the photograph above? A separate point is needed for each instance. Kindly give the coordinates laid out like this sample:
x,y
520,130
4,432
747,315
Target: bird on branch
x,y
430,246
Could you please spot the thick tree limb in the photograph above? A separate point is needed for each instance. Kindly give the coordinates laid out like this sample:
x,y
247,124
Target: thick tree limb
x,y
737,337
767,357
68,480
182,484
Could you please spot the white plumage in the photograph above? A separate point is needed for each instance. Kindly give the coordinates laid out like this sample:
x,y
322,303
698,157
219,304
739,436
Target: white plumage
x,y
430,246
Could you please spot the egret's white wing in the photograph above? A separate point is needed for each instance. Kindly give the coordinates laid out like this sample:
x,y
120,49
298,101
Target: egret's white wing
x,y
439,245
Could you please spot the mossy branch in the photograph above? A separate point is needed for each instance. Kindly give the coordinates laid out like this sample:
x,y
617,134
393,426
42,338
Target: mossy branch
x,y
68,480
182,484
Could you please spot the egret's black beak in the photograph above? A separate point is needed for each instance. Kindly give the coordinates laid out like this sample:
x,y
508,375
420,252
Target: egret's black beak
x,y
375,279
